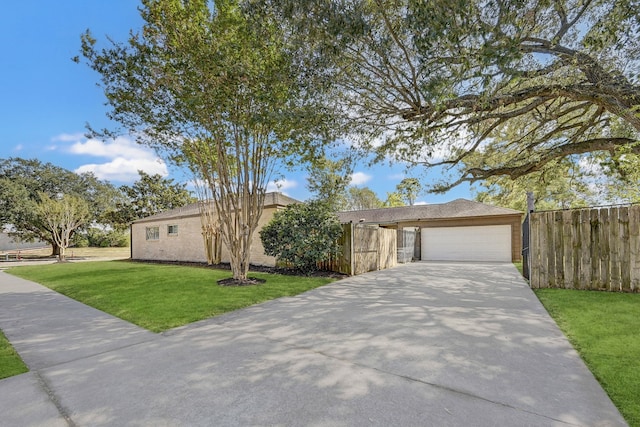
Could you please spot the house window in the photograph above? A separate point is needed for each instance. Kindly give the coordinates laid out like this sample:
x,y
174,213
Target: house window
x,y
172,230
153,233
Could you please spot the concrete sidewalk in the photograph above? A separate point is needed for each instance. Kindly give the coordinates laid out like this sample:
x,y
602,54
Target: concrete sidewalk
x,y
420,344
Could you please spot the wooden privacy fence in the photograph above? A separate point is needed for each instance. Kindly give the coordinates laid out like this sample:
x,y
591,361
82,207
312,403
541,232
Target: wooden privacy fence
x,y
597,248
363,249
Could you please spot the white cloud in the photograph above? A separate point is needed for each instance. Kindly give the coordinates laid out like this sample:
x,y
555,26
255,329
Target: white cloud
x,y
18,147
68,137
125,170
121,147
125,157
281,185
397,177
359,178
421,202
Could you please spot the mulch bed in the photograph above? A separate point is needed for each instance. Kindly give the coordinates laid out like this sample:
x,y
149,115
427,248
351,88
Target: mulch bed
x,y
252,268
250,281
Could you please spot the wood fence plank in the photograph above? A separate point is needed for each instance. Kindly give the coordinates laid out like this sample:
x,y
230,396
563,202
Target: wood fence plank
x,y
558,253
575,248
551,259
544,250
534,250
585,250
634,248
625,267
594,249
569,242
614,250
605,254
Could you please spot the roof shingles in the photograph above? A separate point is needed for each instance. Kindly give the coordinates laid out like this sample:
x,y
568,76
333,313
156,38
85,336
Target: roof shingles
x,y
459,208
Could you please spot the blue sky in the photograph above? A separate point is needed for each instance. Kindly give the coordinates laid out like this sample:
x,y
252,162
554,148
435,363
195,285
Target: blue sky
x,y
46,99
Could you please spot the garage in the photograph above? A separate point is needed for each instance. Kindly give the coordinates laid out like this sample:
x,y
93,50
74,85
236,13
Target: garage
x,y
472,243
460,230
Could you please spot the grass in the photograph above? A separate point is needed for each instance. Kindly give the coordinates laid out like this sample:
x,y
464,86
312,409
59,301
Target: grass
x,y
603,327
10,362
160,297
518,265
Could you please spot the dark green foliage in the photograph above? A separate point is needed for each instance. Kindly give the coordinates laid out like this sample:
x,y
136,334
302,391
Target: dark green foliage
x,y
148,196
302,235
21,180
99,238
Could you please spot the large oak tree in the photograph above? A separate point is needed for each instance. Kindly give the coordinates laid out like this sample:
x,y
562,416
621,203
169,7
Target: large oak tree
x,y
22,181
434,82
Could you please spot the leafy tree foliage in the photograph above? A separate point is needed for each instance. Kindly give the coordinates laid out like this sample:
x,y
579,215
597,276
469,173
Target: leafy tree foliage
x,y
328,181
423,77
61,217
362,198
409,189
303,235
22,181
149,195
394,200
559,185
217,88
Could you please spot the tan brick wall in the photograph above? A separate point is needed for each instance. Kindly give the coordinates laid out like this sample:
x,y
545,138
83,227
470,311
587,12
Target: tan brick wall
x,y
188,245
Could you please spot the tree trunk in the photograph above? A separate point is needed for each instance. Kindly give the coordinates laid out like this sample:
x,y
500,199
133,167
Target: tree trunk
x,y
55,249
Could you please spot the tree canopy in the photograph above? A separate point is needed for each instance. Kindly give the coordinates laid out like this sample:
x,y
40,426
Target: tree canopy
x,y
23,180
61,217
149,195
435,82
213,86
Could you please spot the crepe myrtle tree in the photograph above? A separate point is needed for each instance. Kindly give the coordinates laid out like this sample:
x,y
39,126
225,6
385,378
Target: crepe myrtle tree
x,y
303,234
214,87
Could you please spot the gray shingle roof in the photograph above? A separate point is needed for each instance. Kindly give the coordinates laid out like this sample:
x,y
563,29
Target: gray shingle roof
x,y
459,208
270,199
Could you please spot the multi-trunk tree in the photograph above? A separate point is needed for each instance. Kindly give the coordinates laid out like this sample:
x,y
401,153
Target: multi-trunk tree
x,y
61,216
22,181
217,88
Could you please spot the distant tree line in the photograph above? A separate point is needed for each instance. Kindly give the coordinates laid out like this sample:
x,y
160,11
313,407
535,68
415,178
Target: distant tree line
x,y
41,201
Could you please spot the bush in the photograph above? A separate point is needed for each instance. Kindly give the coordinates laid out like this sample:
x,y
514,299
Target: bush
x,y
79,240
98,238
302,235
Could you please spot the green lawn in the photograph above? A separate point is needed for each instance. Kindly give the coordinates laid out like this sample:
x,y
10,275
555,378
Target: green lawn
x,y
160,297
10,362
605,329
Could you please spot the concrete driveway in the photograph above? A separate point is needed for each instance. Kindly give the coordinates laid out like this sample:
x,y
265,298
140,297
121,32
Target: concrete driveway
x,y
423,344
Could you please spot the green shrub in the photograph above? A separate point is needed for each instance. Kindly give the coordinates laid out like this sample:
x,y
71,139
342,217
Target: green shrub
x,y
302,235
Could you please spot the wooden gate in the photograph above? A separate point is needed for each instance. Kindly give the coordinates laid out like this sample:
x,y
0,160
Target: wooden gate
x,y
363,249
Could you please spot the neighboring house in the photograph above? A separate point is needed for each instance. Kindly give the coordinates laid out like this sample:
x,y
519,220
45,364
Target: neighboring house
x,y
176,235
460,230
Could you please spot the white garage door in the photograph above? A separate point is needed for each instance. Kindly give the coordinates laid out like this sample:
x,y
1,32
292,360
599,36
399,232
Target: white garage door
x,y
476,243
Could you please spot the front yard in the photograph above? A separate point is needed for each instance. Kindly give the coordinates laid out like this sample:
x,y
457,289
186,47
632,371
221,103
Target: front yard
x,y
604,328
160,297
